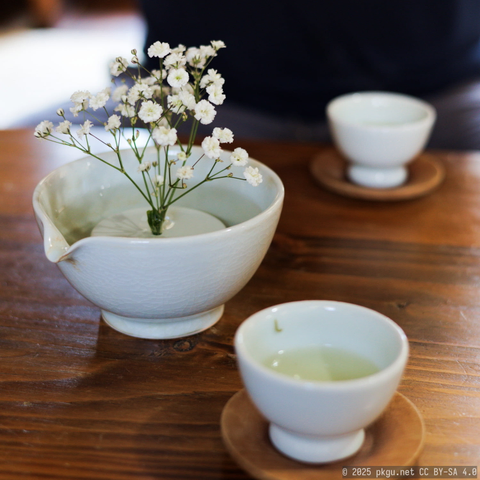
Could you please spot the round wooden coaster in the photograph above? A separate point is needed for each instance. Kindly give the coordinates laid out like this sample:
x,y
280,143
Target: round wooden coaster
x,y
425,174
395,439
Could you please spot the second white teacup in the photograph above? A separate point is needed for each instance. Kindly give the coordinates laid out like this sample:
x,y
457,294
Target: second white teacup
x,y
379,133
320,372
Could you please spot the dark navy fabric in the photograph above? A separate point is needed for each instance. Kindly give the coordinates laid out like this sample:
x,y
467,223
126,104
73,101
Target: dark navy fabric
x,y
290,58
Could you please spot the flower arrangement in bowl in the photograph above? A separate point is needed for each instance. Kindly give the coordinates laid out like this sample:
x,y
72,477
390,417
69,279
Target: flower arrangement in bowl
x,y
162,108
155,269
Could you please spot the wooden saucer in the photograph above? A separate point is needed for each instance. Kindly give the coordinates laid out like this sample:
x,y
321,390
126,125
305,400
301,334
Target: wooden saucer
x,y
396,438
425,174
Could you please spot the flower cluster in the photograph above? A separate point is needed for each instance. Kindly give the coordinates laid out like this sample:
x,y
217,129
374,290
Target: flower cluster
x,y
182,89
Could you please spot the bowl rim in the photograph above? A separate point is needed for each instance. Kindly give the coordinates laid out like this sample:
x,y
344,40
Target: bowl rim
x,y
275,205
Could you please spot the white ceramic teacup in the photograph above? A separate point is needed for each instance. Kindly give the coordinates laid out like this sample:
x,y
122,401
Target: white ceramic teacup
x,y
320,421
379,133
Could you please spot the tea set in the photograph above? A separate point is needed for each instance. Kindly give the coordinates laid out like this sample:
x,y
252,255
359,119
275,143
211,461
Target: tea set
x,y
318,416
304,415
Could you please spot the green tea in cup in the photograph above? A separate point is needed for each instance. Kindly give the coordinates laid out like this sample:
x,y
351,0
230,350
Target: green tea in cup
x,y
320,363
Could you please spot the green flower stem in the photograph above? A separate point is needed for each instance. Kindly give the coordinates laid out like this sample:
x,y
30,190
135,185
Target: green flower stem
x,y
171,193
193,134
192,188
149,201
106,163
147,143
218,173
101,141
201,156
59,141
163,186
213,168
156,218
230,176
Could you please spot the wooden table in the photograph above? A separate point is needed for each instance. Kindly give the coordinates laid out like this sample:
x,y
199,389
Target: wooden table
x,y
82,401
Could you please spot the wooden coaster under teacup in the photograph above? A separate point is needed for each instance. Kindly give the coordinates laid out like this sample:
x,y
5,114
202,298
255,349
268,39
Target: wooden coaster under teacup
x,y
425,174
396,438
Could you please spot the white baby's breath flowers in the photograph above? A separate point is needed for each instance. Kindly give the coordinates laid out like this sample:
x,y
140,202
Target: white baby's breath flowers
x,y
175,105
253,176
207,51
125,109
133,95
198,56
175,59
224,135
195,58
113,123
76,109
144,167
205,112
158,49
212,78
211,147
179,49
44,129
217,44
150,112
177,78
215,94
239,157
118,66
155,76
119,92
64,127
145,90
156,91
165,136
80,101
182,89
80,96
84,129
100,100
139,91
188,99
184,173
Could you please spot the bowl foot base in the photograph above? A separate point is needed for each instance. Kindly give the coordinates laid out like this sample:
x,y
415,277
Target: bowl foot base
x,y
163,328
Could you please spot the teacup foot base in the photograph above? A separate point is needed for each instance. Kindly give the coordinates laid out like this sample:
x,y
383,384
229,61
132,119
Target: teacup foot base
x,y
313,449
164,328
396,438
425,174
377,177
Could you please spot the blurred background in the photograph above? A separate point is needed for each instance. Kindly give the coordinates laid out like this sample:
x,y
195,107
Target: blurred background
x,y
278,85
50,48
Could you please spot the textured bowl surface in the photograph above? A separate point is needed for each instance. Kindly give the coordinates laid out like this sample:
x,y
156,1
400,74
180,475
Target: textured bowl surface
x,y
158,279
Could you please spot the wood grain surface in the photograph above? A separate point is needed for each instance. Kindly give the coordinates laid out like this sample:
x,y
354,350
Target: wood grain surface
x,y
396,438
79,400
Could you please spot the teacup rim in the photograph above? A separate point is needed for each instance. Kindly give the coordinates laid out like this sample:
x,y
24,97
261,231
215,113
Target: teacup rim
x,y
399,362
429,118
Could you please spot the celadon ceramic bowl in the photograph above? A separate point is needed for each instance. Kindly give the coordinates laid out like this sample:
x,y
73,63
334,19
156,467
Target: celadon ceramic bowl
x,y
155,287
